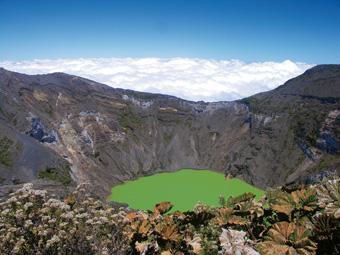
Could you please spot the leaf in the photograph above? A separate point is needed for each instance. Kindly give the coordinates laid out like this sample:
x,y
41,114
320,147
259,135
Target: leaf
x,y
305,199
337,213
166,253
327,233
280,201
251,207
179,215
225,216
195,243
142,247
132,216
329,197
137,216
145,227
167,231
270,248
162,208
287,238
146,247
245,197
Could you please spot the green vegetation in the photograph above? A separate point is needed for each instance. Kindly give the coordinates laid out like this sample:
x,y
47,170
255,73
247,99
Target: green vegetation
x,y
128,120
61,175
2,111
183,188
167,138
5,154
326,162
252,103
48,109
307,121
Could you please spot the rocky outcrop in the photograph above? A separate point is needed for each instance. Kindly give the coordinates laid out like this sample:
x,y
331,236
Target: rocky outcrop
x,y
39,133
108,135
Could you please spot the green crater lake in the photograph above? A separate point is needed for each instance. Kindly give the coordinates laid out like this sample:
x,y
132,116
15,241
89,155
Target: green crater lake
x,y
184,188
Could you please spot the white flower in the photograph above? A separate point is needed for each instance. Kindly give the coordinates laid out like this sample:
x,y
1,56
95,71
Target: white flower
x,y
28,205
55,203
82,215
28,223
18,245
63,224
89,221
26,187
55,239
46,218
5,212
12,200
40,193
51,221
43,233
103,219
12,229
67,215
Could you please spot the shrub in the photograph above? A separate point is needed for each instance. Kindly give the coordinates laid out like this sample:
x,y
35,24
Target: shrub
x,y
5,155
33,223
303,221
61,175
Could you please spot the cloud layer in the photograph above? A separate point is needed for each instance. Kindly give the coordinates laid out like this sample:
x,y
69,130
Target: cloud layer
x,y
192,79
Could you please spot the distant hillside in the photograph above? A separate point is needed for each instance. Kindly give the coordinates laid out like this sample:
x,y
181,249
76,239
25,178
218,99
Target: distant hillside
x,y
62,129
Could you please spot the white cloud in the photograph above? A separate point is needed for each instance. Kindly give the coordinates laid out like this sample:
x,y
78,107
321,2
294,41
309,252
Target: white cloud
x,y
192,79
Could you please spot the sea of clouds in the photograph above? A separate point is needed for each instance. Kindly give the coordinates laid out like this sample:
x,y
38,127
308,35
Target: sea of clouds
x,y
188,78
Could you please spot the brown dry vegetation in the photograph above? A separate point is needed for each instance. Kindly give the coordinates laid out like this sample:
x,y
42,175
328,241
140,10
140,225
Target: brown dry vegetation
x,y
301,221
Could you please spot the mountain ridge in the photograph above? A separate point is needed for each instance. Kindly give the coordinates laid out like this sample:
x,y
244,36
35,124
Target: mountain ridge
x,y
108,135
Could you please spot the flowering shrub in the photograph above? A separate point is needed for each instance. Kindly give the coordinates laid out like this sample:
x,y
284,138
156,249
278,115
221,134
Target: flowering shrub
x,y
303,221
33,223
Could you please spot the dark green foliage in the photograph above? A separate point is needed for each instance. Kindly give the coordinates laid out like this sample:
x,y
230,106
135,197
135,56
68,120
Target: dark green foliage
x,y
128,120
307,122
48,109
61,175
5,153
1,111
234,201
327,162
337,128
252,103
222,201
210,235
167,138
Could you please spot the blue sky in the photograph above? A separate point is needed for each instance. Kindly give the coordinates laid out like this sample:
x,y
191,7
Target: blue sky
x,y
272,30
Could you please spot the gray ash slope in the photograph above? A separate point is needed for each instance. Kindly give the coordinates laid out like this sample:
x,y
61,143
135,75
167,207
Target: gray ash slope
x,y
57,126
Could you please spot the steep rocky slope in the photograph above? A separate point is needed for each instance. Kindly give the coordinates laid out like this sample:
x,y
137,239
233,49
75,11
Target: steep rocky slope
x,y
57,126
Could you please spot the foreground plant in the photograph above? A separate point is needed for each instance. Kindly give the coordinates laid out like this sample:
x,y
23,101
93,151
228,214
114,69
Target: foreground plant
x,y
294,205
327,234
304,221
287,238
33,223
329,197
